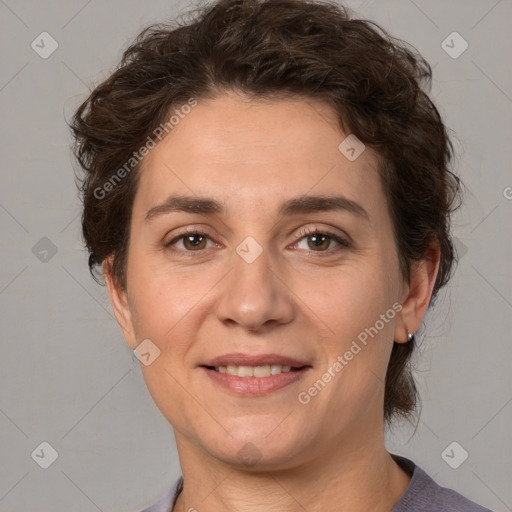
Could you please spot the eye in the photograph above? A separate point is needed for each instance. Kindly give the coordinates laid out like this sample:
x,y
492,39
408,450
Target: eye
x,y
320,240
193,240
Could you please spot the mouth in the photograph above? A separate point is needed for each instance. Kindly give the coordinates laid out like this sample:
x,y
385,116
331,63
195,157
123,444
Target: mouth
x,y
259,372
255,381
254,374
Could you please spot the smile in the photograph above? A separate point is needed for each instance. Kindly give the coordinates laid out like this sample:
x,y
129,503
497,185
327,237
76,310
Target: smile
x,y
254,371
255,380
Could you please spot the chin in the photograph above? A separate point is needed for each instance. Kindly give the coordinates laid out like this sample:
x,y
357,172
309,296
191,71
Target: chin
x,y
264,448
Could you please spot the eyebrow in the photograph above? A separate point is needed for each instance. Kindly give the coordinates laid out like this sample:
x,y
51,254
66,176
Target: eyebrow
x,y
295,206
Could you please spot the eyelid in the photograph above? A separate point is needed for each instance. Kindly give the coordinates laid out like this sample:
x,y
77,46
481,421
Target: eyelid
x,y
308,230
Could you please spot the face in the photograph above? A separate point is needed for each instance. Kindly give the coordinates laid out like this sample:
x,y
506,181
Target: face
x,y
262,274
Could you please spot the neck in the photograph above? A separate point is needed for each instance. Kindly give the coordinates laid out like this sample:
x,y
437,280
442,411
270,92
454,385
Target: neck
x,y
356,476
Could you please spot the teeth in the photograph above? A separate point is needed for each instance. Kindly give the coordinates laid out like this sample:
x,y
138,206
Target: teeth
x,y
254,371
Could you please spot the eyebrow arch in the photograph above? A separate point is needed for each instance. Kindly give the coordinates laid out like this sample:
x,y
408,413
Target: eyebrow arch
x,y
295,206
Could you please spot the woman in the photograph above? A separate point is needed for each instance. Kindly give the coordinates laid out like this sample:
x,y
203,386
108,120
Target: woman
x,y
267,190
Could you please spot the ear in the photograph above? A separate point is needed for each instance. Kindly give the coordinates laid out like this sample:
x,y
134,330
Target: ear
x,y
417,293
119,303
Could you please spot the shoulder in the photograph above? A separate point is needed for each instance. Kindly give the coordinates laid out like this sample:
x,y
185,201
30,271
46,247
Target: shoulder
x,y
425,495
166,502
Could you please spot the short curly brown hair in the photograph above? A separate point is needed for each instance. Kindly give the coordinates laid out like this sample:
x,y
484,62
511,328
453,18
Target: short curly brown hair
x,y
377,86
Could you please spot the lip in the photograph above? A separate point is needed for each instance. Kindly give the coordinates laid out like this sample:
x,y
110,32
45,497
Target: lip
x,y
241,359
255,386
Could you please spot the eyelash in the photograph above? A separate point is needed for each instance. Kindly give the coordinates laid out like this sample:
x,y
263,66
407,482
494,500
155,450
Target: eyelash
x,y
344,243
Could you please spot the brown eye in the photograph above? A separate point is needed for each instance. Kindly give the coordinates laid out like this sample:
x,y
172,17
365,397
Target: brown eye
x,y
318,241
192,241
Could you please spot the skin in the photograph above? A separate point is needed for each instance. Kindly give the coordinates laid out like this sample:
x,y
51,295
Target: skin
x,y
295,299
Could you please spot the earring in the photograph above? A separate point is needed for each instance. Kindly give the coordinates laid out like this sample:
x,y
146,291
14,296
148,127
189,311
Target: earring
x,y
410,337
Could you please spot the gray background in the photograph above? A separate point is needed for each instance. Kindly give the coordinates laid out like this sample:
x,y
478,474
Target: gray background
x,y
68,377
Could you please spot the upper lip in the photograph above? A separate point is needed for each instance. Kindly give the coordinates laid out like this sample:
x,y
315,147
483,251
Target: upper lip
x,y
240,359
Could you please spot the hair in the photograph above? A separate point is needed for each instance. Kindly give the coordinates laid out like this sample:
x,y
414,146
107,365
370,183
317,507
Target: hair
x,y
377,86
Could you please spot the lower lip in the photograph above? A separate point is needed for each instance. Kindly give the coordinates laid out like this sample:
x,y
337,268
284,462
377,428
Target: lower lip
x,y
255,386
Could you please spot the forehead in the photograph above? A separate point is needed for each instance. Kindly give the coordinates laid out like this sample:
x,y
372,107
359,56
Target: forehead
x,y
255,153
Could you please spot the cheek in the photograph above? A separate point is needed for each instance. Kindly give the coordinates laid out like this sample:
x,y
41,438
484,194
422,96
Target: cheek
x,y
166,308
356,304
351,298
167,301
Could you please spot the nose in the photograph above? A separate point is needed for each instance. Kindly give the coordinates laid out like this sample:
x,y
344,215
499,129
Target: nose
x,y
255,295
